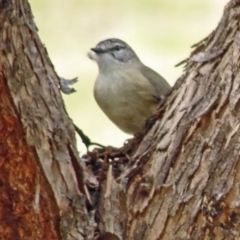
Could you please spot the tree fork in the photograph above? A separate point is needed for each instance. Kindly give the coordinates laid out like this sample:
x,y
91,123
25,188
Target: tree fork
x,y
177,179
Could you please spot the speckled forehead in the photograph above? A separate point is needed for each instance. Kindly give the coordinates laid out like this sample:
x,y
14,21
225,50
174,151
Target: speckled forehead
x,y
110,43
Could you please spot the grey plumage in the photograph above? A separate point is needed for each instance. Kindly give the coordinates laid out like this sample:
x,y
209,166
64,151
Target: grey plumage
x,y
126,90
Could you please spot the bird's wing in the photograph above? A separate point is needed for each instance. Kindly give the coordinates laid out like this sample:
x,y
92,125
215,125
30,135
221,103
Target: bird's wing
x,y
160,85
137,84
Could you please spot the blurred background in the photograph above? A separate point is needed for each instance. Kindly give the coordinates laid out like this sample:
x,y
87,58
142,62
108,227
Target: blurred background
x,y
160,31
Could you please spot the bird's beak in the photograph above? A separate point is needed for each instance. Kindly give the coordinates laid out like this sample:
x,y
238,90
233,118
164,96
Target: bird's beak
x,y
93,54
98,50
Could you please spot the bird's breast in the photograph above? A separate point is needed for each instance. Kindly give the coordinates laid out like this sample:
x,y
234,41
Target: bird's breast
x,y
109,93
122,103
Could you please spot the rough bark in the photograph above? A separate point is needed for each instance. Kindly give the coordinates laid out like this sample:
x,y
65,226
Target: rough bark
x,y
185,174
41,195
177,179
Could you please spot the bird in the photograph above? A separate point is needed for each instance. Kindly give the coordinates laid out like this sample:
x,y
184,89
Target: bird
x,y
126,90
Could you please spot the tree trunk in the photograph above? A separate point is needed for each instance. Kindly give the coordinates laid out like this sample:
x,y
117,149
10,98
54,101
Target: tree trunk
x,y
42,194
179,178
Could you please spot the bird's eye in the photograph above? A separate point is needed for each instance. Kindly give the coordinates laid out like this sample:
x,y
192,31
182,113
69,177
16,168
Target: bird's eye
x,y
117,48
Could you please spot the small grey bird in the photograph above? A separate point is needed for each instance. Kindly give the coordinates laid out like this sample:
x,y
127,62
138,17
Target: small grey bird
x,y
126,90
